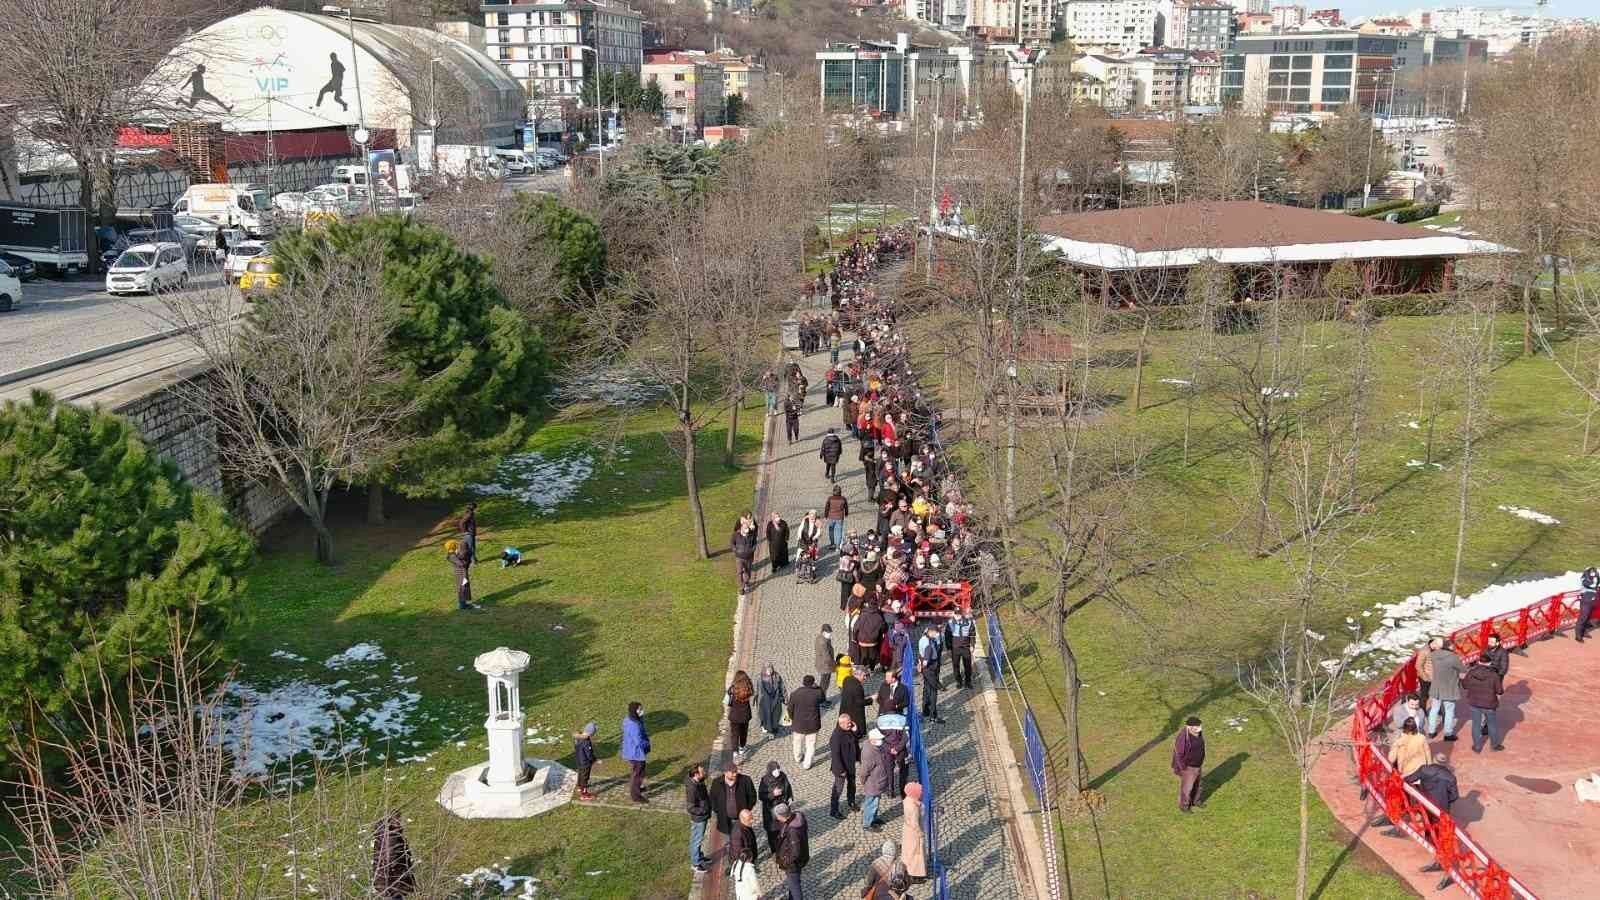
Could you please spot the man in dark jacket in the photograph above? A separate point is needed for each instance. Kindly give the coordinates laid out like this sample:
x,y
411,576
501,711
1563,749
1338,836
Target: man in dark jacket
x,y
868,456
775,789
1586,602
1438,784
791,419
842,747
835,509
743,544
1482,688
893,697
867,636
469,532
832,449
794,848
1499,658
460,561
930,652
853,699
1188,758
731,794
825,660
959,635
698,804
805,720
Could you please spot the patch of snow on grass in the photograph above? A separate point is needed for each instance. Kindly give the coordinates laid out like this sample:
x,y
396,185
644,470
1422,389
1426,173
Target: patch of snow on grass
x,y
497,877
1419,464
539,482
363,652
613,386
1522,512
1410,622
1278,392
1177,381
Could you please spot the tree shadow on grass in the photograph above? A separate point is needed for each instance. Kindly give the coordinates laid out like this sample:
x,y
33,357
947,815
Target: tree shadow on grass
x,y
1214,780
1217,691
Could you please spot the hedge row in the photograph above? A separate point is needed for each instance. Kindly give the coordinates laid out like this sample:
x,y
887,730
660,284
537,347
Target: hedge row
x,y
1418,211
1184,315
1380,208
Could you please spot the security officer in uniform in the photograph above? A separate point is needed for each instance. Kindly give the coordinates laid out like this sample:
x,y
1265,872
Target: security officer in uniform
x,y
929,652
959,632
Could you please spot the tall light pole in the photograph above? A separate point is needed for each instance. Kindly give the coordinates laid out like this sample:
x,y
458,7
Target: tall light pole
x,y
433,112
363,137
1366,177
1025,60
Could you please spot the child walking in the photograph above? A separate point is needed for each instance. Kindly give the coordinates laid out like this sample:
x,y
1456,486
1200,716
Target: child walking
x,y
583,753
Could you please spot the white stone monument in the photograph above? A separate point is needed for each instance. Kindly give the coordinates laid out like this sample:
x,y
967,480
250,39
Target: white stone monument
x,y
509,786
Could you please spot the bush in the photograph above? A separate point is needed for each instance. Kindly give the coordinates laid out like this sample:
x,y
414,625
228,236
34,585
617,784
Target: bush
x,y
101,543
1380,208
1419,211
1342,280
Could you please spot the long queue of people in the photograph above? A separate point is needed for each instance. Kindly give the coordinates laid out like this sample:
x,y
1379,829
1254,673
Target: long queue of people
x,y
920,538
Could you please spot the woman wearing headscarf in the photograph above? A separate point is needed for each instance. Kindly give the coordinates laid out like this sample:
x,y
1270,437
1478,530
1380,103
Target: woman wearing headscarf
x,y
912,852
884,873
778,542
775,788
770,697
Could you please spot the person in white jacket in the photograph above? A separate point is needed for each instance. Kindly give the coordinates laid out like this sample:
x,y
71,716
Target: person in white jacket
x,y
746,884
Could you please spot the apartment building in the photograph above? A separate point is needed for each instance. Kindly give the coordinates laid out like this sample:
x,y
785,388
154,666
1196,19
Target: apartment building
x,y
1125,26
742,76
1205,77
1288,18
1117,86
1160,79
1193,25
1308,71
691,89
539,44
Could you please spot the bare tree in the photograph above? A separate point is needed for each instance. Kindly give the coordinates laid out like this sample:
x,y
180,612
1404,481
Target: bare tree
x,y
1469,353
138,795
300,394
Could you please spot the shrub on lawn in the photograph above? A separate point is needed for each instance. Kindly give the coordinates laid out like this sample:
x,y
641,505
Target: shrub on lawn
x,y
1417,212
1380,208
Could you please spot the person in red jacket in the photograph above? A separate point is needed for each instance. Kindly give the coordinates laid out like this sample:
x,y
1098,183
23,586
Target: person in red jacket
x,y
1188,757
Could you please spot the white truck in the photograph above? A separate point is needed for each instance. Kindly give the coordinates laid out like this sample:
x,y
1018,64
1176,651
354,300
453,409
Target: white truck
x,y
243,206
468,161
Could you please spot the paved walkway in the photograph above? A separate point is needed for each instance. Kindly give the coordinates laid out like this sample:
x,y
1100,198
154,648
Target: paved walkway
x,y
973,840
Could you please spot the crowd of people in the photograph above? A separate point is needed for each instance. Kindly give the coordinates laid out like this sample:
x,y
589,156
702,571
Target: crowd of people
x,y
919,538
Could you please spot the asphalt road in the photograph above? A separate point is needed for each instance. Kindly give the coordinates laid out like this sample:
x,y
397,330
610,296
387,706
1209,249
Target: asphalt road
x,y
58,318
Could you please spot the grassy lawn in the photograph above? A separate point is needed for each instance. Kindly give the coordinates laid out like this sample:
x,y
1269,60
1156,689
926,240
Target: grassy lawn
x,y
1144,673
1445,219
611,605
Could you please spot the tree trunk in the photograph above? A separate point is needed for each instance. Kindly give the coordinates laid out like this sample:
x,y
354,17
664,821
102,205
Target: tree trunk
x,y
1073,783
1527,318
1464,487
91,241
375,503
1555,291
1264,495
691,487
728,457
1302,860
1138,367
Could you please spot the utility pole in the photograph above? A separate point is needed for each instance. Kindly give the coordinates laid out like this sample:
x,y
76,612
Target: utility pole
x,y
933,175
363,136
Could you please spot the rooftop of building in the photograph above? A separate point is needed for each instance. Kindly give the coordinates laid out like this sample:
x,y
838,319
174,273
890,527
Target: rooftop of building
x,y
1238,232
616,7
679,58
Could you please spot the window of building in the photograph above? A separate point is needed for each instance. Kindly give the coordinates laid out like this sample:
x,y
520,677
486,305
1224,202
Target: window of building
x,y
1278,62
677,95
1300,78
1335,95
502,18
1336,78
1302,62
1340,46
677,76
1337,62
1299,94
1278,78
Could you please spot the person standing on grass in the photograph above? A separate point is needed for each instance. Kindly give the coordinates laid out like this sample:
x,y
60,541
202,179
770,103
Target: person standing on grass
x,y
844,753
455,552
635,749
794,849
770,695
1482,688
832,449
835,509
469,532
778,542
737,701
805,721
697,801
1448,670
583,756
1188,757
743,544
791,420
823,661
874,779
774,789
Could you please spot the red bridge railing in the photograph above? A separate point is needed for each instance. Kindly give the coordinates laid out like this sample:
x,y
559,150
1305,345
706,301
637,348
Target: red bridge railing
x,y
1469,864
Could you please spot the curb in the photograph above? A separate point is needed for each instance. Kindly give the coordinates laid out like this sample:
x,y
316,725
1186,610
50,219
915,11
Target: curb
x,y
1013,803
90,355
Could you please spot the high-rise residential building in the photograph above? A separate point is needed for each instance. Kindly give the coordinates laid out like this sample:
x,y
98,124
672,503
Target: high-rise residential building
x,y
540,43
1288,18
1126,26
1193,24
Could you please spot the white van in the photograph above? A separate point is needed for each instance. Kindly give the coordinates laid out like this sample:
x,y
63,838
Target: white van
x,y
239,205
517,162
148,268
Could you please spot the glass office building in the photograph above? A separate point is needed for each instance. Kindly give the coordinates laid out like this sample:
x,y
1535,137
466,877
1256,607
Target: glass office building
x,y
863,78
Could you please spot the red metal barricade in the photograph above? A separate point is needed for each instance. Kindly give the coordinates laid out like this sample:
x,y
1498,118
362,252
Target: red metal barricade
x,y
939,601
1469,865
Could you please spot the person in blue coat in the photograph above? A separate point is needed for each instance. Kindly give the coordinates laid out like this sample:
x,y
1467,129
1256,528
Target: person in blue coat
x,y
635,748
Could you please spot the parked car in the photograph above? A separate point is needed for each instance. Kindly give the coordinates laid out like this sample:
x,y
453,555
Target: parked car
x,y
10,288
148,268
114,248
239,255
260,277
202,230
24,268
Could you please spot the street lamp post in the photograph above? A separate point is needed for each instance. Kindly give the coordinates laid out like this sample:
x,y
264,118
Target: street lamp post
x,y
362,135
933,175
1025,60
433,113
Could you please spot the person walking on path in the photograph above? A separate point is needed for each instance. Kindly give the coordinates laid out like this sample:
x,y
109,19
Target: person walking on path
x,y
961,632
791,420
913,849
1586,602
770,696
853,699
834,510
635,749
1448,671
794,849
469,532
832,449
1482,687
455,552
823,661
769,387
1188,757
778,542
874,779
731,794
805,721
737,700
775,788
697,802
583,757
845,754
743,544
868,633
929,651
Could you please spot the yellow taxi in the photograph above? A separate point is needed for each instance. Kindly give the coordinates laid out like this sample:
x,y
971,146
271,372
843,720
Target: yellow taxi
x,y
260,277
